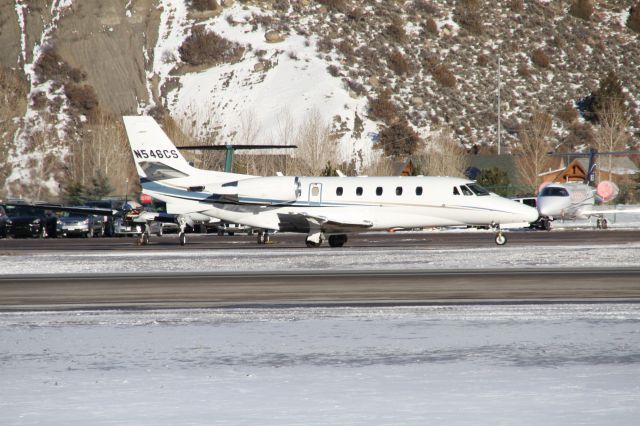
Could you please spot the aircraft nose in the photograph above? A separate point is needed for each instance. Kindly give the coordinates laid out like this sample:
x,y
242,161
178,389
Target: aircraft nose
x,y
530,214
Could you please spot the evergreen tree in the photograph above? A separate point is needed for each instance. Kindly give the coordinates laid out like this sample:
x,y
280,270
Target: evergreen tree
x,y
496,180
100,186
608,94
74,193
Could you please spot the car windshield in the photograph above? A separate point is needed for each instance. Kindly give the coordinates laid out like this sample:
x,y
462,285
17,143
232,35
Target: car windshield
x,y
477,189
554,191
16,211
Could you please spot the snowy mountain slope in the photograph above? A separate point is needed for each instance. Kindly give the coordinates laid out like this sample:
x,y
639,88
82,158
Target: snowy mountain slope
x,y
437,59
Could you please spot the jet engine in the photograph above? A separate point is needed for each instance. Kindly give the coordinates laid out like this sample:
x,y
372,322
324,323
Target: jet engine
x,y
270,190
606,191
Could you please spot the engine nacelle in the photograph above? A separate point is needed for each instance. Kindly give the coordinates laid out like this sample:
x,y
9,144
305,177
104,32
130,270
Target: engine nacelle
x,y
606,191
262,190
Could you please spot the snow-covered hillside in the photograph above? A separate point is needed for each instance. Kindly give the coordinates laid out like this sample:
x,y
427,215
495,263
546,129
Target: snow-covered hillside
x,y
437,62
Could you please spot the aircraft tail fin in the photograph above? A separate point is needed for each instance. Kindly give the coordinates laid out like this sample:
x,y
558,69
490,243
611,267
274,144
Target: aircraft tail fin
x,y
155,156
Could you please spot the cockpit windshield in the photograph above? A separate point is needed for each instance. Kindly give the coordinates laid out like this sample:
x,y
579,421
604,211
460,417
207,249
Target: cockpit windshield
x,y
477,189
465,190
554,191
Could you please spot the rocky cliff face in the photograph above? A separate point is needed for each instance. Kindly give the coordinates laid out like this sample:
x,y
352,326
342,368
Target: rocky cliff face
x,y
68,66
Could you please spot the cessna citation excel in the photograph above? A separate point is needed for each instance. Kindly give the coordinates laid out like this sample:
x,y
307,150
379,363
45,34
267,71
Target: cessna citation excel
x,y
320,207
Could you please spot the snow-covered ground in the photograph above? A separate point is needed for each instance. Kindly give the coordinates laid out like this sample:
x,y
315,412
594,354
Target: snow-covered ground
x,y
272,259
444,365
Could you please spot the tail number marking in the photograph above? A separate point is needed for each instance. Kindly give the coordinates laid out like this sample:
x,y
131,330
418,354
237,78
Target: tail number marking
x,y
157,153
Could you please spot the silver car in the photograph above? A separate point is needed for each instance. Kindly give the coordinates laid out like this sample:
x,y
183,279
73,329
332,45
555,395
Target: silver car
x,y
80,225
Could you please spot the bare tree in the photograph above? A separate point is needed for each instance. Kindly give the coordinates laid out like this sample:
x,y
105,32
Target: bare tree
x,y
443,155
379,165
316,147
612,134
531,156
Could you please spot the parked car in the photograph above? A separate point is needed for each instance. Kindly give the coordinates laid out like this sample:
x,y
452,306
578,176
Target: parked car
x,y
81,225
27,221
3,223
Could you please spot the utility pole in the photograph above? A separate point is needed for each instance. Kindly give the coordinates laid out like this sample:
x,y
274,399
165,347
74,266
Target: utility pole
x,y
499,129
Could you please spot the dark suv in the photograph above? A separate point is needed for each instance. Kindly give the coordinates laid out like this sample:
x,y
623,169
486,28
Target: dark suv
x,y
28,221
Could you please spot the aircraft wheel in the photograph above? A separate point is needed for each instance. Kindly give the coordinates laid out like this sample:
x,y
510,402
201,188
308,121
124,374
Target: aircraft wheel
x,y
501,239
604,224
547,225
337,240
144,239
312,244
182,238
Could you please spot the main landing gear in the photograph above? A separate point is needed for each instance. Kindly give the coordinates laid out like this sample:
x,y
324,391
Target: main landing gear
x,y
601,223
315,240
264,238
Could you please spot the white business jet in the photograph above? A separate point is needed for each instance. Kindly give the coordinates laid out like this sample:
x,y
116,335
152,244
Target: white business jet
x,y
577,200
320,207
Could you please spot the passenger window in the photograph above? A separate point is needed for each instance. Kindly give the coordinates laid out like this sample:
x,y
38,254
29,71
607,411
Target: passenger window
x,y
359,190
379,190
455,191
465,190
418,190
339,191
398,190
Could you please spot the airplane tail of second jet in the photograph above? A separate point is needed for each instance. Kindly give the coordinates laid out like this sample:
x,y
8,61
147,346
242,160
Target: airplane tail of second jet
x,y
156,157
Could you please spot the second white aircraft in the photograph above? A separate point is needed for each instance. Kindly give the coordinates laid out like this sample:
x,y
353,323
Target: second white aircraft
x,y
320,207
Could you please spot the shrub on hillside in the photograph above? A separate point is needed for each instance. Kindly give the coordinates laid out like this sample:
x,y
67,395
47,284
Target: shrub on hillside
x,y
398,63
516,6
398,139
395,31
82,97
467,14
582,9
208,48
523,70
51,66
482,60
633,21
333,70
382,108
443,76
567,113
540,58
203,5
425,7
334,5
431,26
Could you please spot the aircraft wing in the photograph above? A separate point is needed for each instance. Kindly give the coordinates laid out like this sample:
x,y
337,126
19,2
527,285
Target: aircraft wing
x,y
597,212
60,208
337,221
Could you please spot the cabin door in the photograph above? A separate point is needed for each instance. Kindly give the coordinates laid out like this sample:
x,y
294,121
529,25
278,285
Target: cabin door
x,y
315,194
